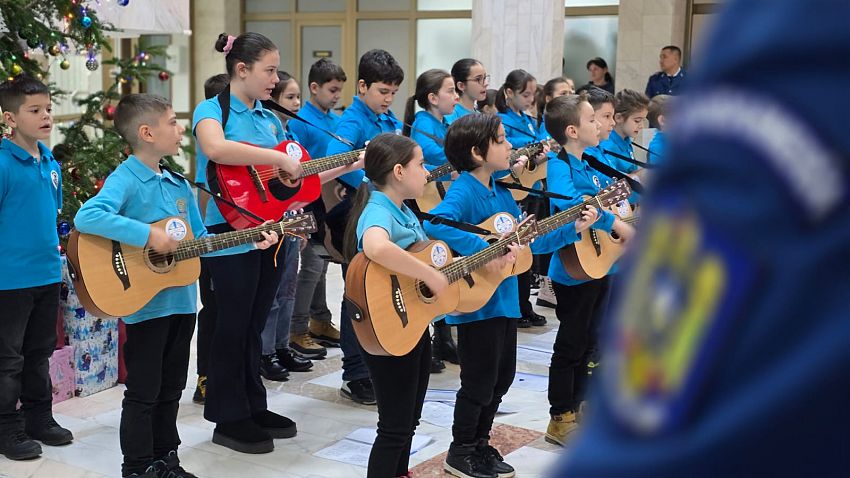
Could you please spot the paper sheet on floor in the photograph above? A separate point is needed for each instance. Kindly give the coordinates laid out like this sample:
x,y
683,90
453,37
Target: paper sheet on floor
x,y
440,395
526,354
531,382
438,413
367,435
347,451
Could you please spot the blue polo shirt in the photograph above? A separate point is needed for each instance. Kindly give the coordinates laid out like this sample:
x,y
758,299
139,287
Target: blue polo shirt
x,y
572,177
30,197
359,124
460,111
622,146
520,129
401,224
471,202
657,147
663,84
425,122
133,197
255,125
314,141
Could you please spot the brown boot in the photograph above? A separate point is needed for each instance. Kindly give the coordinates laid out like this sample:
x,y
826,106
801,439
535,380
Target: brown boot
x,y
560,428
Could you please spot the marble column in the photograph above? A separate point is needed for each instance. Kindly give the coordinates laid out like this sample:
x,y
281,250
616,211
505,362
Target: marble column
x,y
209,19
511,34
645,27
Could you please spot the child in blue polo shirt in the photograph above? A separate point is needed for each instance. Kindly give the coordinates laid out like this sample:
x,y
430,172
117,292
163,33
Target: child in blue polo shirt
x,y
379,77
571,121
629,116
515,96
435,94
382,226
135,195
659,105
476,146
311,318
245,284
471,81
30,196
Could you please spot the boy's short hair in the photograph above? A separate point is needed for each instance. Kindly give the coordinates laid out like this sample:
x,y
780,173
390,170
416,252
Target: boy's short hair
x,y
596,96
379,66
324,71
14,93
561,112
215,85
135,110
467,132
658,106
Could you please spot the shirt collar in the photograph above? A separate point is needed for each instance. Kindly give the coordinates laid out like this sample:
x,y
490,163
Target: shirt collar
x,y
403,215
21,154
308,105
144,173
475,185
430,116
622,143
575,163
359,105
674,75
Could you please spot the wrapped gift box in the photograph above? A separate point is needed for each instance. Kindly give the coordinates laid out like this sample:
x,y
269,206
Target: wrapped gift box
x,y
62,374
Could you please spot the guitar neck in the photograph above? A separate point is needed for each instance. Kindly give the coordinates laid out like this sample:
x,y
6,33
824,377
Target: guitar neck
x,y
466,265
440,171
529,150
327,163
190,248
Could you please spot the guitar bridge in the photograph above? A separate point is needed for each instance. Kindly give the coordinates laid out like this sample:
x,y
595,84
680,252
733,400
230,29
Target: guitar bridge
x,y
258,183
594,238
119,266
398,300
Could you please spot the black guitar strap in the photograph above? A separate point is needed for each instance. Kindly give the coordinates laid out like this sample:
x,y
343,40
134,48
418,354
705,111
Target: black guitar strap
x,y
462,226
217,197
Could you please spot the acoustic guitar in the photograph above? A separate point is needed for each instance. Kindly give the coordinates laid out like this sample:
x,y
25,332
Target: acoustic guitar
x,y
391,311
115,280
596,252
267,191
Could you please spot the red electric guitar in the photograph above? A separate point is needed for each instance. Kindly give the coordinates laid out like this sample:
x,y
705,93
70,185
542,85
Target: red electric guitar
x,y
268,191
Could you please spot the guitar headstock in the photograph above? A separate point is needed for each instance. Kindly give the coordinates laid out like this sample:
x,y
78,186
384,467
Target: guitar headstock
x,y
526,230
298,223
614,193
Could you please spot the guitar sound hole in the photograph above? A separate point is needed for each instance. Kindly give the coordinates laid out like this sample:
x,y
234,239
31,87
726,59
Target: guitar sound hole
x,y
424,292
614,235
159,262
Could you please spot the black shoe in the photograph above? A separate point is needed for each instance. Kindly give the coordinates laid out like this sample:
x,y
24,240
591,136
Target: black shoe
x,y
437,365
494,461
278,426
523,323
271,369
42,427
244,436
463,461
169,467
444,343
16,445
200,395
149,473
536,319
292,362
359,391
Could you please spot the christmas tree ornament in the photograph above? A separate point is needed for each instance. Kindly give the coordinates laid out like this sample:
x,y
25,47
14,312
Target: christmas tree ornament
x,y
64,228
86,21
32,42
54,50
65,64
164,76
98,185
123,3
109,112
92,64
16,69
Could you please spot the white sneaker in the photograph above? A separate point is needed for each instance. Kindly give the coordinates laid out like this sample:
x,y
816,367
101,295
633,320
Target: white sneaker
x,y
546,296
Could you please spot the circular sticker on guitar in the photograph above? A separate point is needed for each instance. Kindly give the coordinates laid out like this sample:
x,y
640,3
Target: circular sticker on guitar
x,y
176,229
623,209
439,255
503,223
294,151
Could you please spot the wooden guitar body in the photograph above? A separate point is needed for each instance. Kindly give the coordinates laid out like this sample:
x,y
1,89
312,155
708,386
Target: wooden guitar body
x,y
596,252
390,312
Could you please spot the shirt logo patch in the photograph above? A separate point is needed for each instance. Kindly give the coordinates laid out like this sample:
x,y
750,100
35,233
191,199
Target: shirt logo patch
x,y
181,206
503,223
273,127
398,131
684,291
530,127
596,181
54,178
439,255
176,229
294,151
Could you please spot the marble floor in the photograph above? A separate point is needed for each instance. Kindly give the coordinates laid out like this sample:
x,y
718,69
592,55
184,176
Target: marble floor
x,y
323,417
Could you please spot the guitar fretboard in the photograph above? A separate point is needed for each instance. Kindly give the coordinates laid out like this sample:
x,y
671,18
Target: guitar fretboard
x,y
447,168
190,248
320,165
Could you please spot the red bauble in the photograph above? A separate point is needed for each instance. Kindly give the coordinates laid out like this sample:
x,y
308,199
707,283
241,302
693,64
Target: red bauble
x,y
98,185
164,76
109,112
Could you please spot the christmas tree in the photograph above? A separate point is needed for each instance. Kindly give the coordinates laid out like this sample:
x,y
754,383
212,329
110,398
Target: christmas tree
x,y
42,34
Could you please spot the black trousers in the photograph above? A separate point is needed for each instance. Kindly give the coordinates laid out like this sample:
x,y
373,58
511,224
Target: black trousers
x,y
206,316
487,353
580,309
156,354
524,287
27,340
245,286
400,384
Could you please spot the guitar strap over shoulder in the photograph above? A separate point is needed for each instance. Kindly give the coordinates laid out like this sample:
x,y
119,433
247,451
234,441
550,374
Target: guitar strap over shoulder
x,y
217,197
462,226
